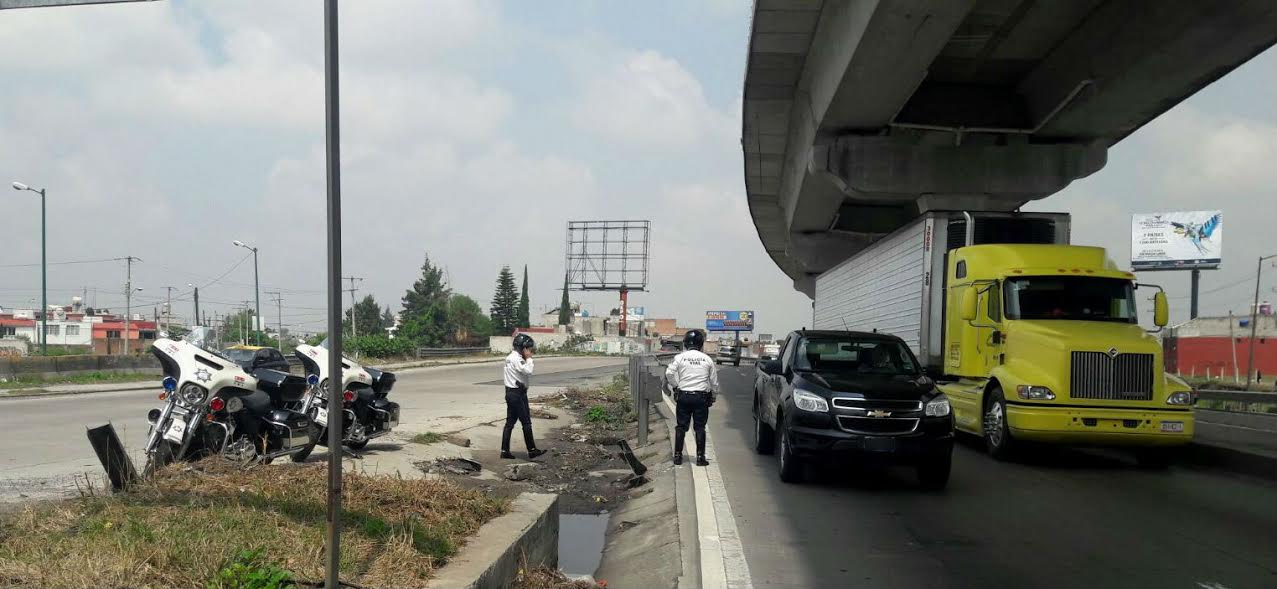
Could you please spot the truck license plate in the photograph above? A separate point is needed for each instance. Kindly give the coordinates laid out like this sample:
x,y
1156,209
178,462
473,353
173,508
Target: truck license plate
x,y
1173,426
321,416
880,444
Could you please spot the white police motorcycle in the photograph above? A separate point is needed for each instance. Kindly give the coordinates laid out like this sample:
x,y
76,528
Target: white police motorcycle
x,y
212,407
367,414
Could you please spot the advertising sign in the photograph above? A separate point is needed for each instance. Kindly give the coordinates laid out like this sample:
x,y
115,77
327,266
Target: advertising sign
x,y
1177,241
729,321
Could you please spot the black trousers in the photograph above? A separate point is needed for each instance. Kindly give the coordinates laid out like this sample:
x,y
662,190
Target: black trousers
x,y
692,409
517,410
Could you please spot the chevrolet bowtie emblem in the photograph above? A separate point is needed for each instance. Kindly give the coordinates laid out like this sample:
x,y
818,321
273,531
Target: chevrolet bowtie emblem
x,y
877,413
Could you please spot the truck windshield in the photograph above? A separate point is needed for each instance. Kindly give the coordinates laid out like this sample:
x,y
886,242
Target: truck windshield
x,y
1078,298
867,356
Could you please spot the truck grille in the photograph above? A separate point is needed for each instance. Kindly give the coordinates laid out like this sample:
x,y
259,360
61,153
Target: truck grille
x,y
1124,377
878,426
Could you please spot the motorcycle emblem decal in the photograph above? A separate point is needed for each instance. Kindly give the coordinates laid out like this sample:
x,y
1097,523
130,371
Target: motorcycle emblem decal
x,y
312,353
1112,352
877,413
203,375
239,380
171,348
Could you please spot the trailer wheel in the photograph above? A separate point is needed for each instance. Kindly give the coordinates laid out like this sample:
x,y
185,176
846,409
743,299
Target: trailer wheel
x,y
997,434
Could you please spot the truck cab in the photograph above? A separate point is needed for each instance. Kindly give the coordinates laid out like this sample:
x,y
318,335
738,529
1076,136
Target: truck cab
x,y
1043,343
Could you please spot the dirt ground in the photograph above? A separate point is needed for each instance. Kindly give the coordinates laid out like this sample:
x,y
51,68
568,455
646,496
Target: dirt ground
x,y
583,462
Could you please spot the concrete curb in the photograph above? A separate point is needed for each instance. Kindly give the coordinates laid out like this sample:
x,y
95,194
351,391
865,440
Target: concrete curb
x,y
722,557
25,393
492,558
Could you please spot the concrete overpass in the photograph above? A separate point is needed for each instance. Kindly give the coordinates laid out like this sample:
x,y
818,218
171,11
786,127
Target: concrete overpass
x,y
861,114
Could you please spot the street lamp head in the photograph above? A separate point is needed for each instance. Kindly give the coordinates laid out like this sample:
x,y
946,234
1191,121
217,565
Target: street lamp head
x,y
20,186
238,243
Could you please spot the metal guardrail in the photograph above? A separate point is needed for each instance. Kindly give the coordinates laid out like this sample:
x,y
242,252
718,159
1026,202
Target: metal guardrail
x,y
1238,396
448,352
646,377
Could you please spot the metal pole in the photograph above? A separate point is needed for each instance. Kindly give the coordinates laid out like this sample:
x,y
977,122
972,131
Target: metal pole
x,y
44,280
197,306
1192,308
1233,342
128,303
257,293
168,310
1254,319
333,164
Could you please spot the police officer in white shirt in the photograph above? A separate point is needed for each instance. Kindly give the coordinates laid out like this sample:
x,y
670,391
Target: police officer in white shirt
x,y
518,372
694,379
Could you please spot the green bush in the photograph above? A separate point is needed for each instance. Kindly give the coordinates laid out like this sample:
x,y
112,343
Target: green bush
x,y
598,414
380,346
249,570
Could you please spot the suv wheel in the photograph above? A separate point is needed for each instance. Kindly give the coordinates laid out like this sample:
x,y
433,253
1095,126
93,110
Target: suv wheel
x,y
791,467
764,435
933,473
997,434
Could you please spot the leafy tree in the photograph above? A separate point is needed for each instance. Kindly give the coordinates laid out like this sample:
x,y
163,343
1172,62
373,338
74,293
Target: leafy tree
x,y
466,322
368,315
387,318
565,306
239,328
316,339
505,304
525,319
425,312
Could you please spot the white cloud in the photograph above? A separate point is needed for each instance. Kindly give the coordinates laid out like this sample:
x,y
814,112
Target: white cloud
x,y
649,100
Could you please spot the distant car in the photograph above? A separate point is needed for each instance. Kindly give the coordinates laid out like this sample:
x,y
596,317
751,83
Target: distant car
x,y
252,358
843,396
770,352
671,346
728,353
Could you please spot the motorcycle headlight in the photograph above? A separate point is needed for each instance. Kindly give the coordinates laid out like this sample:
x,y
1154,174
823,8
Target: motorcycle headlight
x,y
1034,393
1180,398
938,407
193,394
809,401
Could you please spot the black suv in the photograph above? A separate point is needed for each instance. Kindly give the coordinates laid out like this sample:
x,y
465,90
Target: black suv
x,y
253,358
852,396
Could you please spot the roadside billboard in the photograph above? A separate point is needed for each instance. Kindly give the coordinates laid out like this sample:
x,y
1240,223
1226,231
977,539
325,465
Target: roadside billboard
x,y
1183,240
729,321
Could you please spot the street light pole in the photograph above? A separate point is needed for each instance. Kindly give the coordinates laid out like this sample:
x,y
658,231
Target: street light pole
x,y
44,271
1254,319
257,290
332,136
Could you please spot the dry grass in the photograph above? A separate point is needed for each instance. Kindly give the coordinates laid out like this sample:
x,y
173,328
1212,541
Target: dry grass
x,y
180,528
548,578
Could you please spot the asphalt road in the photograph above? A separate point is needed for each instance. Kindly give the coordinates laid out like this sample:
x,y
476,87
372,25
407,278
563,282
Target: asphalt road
x,y
1069,519
43,449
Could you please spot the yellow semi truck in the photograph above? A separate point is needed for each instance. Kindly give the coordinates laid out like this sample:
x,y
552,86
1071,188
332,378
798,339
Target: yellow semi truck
x,y
1031,338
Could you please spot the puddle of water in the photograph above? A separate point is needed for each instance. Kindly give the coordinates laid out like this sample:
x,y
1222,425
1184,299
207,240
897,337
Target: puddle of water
x,y
581,542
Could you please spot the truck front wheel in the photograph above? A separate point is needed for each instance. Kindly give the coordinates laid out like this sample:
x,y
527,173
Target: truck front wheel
x,y
997,435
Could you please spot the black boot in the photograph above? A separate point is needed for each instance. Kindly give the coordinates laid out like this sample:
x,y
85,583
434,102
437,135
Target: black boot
x,y
530,443
505,443
678,445
700,449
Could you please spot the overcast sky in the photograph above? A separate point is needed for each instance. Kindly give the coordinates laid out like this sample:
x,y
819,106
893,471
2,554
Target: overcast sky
x,y
473,131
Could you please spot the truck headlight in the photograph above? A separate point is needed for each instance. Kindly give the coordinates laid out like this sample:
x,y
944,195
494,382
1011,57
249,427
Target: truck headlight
x,y
1180,398
808,401
1034,393
938,407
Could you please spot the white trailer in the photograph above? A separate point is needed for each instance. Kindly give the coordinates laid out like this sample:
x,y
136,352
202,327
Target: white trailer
x,y
896,285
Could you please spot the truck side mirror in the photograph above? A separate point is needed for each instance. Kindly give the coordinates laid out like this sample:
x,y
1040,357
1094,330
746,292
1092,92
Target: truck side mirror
x,y
969,300
1161,311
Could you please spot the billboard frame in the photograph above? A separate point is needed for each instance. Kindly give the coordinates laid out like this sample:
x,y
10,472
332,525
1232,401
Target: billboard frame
x,y
1213,221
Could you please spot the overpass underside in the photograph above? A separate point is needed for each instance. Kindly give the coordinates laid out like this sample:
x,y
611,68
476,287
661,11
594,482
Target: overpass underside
x,y
861,114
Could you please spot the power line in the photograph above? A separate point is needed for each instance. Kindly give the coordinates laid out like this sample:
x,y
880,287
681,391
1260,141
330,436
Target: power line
x,y
64,263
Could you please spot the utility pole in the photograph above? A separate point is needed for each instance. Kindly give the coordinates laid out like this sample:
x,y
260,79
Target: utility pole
x,y
1254,319
332,165
168,309
353,331
1232,341
245,330
279,318
128,300
197,306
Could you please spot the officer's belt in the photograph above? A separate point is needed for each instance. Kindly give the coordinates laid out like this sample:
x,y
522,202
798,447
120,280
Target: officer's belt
x,y
683,392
